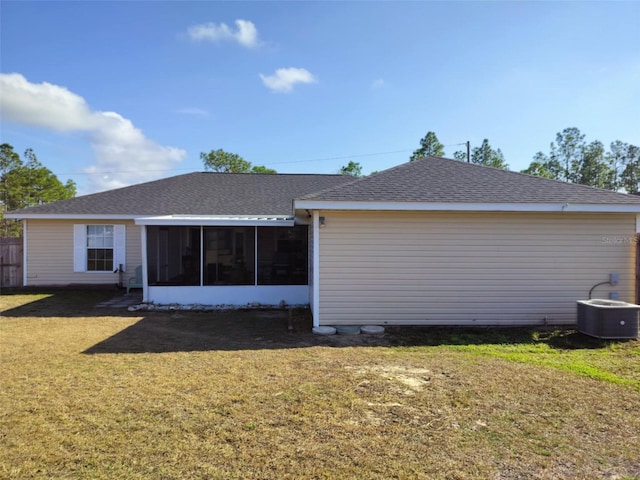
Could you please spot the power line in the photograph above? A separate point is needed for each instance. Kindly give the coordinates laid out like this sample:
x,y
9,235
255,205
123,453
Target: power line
x,y
467,143
360,155
312,160
103,172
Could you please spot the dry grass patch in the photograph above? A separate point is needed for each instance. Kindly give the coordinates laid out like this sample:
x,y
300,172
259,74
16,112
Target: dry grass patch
x,y
103,394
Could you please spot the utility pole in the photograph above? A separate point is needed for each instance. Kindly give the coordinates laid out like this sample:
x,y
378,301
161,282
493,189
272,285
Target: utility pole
x,y
468,152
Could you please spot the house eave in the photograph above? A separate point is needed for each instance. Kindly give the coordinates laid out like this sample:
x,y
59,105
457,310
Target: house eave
x,y
465,207
68,216
184,220
219,220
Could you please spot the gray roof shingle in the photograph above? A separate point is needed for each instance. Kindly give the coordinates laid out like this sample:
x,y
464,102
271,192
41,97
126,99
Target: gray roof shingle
x,y
428,180
441,180
201,193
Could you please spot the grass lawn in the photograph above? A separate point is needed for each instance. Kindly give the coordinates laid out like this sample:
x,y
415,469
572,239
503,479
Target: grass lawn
x,y
106,394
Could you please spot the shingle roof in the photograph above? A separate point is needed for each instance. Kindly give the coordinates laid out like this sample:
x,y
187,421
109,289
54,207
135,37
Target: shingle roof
x,y
429,180
440,180
202,193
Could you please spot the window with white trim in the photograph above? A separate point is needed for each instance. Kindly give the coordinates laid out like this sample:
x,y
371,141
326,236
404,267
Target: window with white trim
x,y
98,248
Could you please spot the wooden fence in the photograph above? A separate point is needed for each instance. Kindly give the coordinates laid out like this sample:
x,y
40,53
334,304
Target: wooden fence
x,y
11,262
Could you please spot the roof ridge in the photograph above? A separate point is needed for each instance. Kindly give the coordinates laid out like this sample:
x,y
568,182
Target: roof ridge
x,y
133,185
529,175
426,180
195,193
562,182
258,174
358,180
434,178
325,190
537,177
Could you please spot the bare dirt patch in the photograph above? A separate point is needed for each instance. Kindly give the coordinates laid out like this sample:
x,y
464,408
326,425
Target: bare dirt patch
x,y
416,379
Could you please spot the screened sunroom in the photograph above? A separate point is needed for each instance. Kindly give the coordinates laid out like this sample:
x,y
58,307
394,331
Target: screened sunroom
x,y
233,261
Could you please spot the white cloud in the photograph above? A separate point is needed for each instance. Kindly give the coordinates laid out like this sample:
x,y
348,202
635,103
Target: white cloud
x,y
123,154
284,79
246,33
43,105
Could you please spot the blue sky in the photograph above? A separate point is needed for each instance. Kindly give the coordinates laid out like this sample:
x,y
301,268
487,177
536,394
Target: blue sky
x,y
114,93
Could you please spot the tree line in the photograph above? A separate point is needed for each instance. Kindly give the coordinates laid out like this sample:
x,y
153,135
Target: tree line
x,y
26,182
570,159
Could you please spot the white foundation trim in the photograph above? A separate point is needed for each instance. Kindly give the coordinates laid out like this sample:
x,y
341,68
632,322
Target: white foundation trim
x,y
236,295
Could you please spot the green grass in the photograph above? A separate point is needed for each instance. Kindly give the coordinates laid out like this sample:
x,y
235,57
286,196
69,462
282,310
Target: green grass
x,y
92,393
611,361
614,362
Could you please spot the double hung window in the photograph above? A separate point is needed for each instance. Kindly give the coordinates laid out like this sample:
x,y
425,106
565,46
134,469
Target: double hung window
x,y
100,248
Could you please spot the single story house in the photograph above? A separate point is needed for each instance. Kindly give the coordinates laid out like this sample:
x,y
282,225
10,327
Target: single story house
x,y
429,242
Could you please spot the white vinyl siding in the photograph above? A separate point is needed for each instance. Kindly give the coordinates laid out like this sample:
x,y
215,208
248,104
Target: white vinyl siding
x,y
444,268
53,248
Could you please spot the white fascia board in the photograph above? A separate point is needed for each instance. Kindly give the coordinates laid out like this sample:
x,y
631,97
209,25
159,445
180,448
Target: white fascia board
x,y
65,216
467,207
215,221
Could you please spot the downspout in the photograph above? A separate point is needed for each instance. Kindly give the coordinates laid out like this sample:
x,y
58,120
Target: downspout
x,y
315,311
